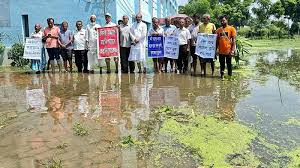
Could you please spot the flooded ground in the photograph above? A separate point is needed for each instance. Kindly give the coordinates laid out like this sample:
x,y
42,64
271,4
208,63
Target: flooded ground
x,y
92,120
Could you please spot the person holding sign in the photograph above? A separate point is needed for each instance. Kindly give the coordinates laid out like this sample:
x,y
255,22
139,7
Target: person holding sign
x,y
156,30
138,48
226,36
184,37
91,35
80,48
38,65
65,42
169,31
51,37
208,28
109,23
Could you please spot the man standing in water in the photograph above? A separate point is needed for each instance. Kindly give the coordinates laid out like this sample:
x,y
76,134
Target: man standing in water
x,y
226,36
138,47
125,43
194,33
209,28
184,38
156,30
91,34
51,37
109,23
80,46
38,65
65,42
168,31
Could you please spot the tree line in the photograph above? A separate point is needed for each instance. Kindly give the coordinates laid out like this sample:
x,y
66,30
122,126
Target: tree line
x,y
252,18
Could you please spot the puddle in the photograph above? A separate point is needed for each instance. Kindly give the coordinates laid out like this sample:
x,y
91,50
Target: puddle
x,y
38,114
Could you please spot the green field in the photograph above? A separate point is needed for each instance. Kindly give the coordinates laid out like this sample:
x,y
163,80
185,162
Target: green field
x,y
275,44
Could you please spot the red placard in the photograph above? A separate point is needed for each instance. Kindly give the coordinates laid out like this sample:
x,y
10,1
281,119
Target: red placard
x,y
108,42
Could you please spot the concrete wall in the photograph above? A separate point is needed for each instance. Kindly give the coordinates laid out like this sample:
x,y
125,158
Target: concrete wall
x,y
39,10
72,10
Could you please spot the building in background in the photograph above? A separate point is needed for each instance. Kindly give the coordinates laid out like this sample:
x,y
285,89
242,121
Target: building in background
x,y
17,17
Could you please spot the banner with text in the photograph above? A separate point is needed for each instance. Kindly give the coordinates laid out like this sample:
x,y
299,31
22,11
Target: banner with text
x,y
171,47
108,42
33,48
206,45
155,46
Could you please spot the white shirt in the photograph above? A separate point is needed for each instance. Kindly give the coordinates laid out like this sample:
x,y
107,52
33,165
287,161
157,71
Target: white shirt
x,y
138,51
184,35
125,37
169,30
195,35
80,40
139,32
91,34
37,34
159,30
110,24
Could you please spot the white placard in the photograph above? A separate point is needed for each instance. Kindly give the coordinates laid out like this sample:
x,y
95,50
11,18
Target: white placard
x,y
33,48
171,47
206,45
35,99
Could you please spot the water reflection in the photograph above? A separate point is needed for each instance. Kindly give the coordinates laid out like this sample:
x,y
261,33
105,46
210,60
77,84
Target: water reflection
x,y
110,106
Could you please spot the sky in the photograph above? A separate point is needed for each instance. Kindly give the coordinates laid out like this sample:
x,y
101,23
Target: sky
x,y
182,2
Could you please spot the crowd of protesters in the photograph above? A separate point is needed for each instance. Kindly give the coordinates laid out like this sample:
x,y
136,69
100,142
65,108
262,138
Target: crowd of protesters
x,y
60,42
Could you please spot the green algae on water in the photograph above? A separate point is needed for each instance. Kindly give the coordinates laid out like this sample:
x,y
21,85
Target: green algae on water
x,y
218,143
295,158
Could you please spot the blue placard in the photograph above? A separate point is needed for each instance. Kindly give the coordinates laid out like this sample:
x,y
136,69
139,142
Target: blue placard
x,y
155,46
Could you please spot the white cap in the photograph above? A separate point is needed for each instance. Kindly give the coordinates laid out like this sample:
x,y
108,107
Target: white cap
x,y
93,16
108,14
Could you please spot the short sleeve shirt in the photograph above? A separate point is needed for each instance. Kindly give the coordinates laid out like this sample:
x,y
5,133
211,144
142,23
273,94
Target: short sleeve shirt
x,y
80,40
52,42
159,30
184,35
207,28
65,37
224,39
125,40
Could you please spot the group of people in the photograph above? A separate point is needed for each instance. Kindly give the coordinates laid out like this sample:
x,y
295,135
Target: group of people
x,y
133,42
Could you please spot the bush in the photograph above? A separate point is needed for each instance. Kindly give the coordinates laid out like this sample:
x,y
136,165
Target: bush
x,y
244,31
16,55
2,48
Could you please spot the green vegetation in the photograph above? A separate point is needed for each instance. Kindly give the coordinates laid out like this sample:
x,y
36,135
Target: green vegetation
x,y
52,163
270,19
62,146
217,142
295,158
16,55
4,120
292,122
274,44
80,130
14,69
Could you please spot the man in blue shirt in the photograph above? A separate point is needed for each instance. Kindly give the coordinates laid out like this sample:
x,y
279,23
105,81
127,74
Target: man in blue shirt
x,y
65,43
168,31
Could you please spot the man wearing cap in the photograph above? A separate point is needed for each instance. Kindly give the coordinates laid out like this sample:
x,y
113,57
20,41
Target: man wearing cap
x,y
138,48
109,23
91,34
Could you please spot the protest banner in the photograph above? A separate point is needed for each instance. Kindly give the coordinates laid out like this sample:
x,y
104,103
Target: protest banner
x,y
155,46
171,47
33,48
108,42
206,45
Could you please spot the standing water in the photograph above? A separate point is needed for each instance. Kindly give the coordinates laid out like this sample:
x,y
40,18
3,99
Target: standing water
x,y
154,120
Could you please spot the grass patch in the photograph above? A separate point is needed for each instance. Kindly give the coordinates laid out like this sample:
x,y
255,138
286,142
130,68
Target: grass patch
x,y
274,44
295,158
80,130
6,69
52,163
